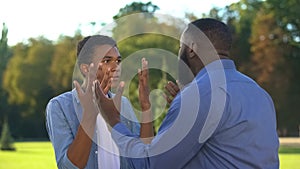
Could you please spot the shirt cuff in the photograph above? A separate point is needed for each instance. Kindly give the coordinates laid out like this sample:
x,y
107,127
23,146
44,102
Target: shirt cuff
x,y
66,163
121,129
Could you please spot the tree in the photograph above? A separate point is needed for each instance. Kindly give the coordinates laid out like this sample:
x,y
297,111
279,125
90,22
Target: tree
x,y
287,17
239,16
136,7
270,65
26,82
63,61
5,55
6,140
155,37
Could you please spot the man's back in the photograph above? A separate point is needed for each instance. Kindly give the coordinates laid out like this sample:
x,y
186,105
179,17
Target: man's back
x,y
246,133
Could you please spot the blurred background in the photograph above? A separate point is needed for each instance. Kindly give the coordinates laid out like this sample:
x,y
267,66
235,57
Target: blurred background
x,y
38,54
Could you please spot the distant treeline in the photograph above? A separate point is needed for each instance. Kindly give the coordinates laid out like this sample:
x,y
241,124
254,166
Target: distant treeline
x,y
266,47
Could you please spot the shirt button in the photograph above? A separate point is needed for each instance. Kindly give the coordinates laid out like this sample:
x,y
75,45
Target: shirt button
x,y
96,152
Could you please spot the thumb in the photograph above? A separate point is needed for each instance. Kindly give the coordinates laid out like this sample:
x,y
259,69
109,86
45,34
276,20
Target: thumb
x,y
78,88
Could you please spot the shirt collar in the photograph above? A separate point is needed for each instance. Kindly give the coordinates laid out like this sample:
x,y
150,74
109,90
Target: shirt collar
x,y
217,65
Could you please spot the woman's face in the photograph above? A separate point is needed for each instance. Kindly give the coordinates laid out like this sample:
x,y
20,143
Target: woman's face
x,y
110,60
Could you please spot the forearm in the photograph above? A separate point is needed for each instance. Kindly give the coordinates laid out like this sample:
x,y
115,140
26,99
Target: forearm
x,y
79,150
147,131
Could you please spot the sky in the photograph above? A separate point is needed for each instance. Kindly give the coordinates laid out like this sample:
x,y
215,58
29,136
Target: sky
x,y
52,18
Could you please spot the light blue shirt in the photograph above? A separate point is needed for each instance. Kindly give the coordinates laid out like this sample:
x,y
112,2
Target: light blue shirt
x,y
222,119
63,115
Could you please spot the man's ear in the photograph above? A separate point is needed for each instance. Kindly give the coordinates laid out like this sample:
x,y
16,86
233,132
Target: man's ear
x,y
84,69
191,51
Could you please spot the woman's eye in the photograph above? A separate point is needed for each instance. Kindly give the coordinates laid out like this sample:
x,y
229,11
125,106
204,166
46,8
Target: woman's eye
x,y
105,61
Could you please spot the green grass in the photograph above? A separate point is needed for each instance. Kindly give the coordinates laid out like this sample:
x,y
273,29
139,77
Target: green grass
x,y
40,155
289,157
31,155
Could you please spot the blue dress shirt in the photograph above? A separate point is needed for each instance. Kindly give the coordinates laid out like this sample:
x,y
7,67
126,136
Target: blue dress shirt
x,y
63,116
222,119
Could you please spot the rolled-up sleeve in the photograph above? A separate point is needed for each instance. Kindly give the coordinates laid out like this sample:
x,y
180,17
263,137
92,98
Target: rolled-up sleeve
x,y
60,134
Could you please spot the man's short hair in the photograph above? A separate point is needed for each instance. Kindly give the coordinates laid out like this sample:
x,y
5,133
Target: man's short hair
x,y
216,31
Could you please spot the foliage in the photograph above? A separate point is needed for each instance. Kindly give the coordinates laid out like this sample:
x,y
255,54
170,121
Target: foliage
x,y
26,82
63,61
5,55
154,37
136,7
269,60
265,47
287,17
6,140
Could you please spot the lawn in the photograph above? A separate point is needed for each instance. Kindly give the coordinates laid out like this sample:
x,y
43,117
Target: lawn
x,y
289,157
40,155
31,155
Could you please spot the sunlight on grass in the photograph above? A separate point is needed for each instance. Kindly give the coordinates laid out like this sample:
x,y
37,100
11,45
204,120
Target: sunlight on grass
x,y
40,155
289,157
31,155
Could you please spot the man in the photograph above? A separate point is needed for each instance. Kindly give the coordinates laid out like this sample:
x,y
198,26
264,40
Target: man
x,y
72,118
221,119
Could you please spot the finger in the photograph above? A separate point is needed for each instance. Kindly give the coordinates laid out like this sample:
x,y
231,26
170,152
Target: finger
x,y
118,96
78,88
98,91
91,76
170,90
105,80
145,68
179,84
99,68
169,100
174,86
140,76
107,87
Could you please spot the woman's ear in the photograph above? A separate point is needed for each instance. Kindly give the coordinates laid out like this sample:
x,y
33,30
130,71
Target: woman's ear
x,y
84,69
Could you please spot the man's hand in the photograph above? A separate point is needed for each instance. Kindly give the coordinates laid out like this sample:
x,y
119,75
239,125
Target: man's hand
x,y
109,107
146,132
172,90
144,90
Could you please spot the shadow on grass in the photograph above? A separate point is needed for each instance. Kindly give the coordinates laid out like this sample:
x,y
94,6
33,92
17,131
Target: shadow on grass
x,y
289,150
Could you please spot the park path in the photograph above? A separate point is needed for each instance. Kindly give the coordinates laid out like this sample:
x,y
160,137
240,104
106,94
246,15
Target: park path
x,y
290,141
